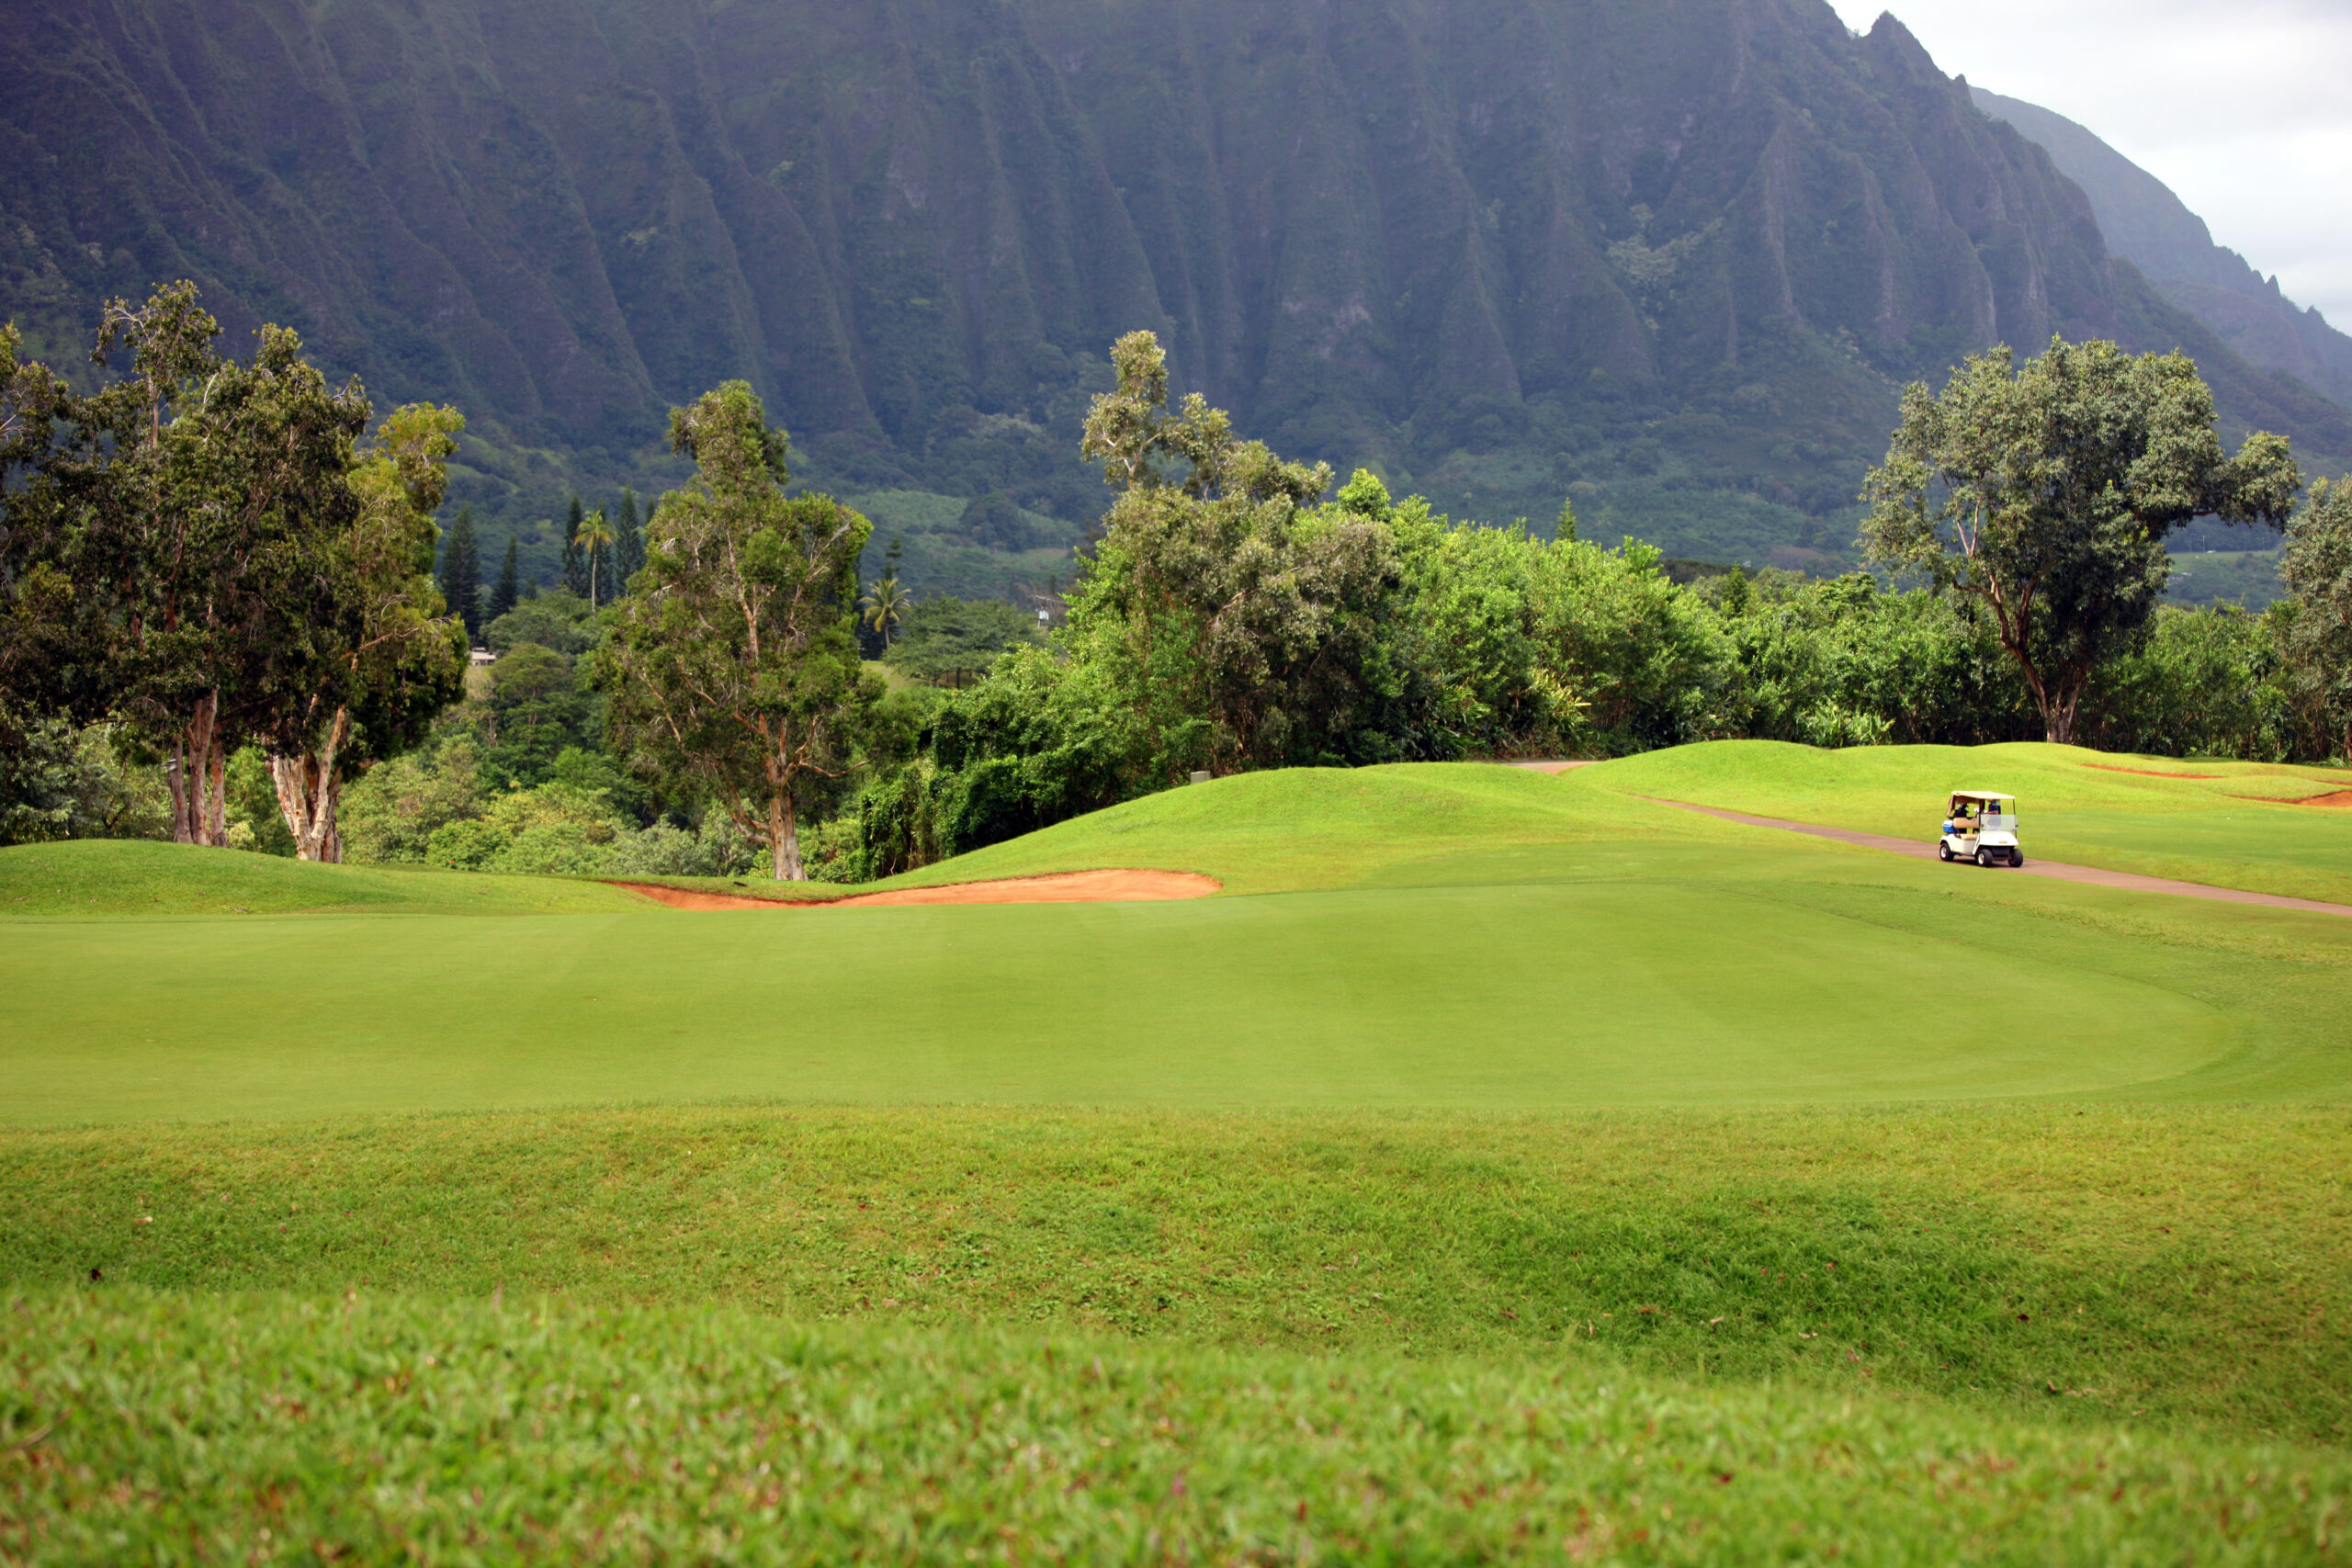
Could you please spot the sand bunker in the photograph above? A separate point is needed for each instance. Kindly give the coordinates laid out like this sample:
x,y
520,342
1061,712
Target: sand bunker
x,y
1062,887
2341,800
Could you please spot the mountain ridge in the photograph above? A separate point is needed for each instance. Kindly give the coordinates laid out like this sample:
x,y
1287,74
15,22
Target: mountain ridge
x,y
2146,222
1674,261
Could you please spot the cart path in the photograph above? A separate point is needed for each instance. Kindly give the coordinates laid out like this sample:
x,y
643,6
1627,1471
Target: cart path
x,y
1113,887
2088,875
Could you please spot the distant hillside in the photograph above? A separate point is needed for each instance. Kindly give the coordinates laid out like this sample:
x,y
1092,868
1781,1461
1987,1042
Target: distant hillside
x,y
2144,222
1673,260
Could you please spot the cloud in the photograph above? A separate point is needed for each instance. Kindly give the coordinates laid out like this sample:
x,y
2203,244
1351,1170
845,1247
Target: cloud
x,y
2240,107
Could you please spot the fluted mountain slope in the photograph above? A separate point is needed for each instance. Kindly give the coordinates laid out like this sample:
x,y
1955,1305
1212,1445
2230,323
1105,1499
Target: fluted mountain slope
x,y
1673,256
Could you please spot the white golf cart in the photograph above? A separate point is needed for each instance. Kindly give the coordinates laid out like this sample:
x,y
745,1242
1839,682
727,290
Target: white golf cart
x,y
1982,826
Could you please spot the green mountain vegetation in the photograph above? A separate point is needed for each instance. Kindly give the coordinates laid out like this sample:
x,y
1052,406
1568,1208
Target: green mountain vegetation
x,y
1673,260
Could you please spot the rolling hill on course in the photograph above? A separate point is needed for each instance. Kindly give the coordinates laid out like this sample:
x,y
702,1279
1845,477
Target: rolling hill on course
x,y
1500,1162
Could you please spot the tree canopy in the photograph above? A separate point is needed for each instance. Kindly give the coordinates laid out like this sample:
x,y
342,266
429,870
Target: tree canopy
x,y
733,664
2045,493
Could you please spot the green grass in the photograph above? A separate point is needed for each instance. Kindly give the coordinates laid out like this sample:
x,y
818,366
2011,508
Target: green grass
x,y
2181,1268
100,877
264,1428
1499,1162
1616,972
2237,828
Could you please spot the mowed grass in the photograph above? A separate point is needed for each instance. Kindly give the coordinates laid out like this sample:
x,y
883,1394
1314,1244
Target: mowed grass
x,y
2176,1267
1504,1167
2230,824
1614,973
261,1429
97,878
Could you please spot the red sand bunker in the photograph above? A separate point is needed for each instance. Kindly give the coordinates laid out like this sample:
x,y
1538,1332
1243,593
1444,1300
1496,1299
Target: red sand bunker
x,y
2340,799
1062,887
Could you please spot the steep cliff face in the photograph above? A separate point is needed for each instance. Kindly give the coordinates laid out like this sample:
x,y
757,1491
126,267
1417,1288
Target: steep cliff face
x,y
2145,222
1505,246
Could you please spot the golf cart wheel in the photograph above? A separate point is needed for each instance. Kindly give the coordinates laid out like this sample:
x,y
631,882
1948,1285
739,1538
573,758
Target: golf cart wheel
x,y
2017,859
1943,850
1985,858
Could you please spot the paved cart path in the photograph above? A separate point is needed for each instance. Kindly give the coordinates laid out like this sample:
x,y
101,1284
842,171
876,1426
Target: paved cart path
x,y
2054,871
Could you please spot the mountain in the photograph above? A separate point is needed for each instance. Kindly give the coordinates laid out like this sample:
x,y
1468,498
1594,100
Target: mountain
x,y
1673,259
2143,221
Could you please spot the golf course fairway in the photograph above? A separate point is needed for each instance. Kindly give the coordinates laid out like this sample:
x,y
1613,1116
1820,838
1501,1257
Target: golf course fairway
x,y
1500,1166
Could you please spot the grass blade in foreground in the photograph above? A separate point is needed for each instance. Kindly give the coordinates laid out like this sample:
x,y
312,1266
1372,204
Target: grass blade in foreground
x,y
142,1428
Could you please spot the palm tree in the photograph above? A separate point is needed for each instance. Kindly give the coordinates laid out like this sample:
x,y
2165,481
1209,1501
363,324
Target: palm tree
x,y
886,605
594,534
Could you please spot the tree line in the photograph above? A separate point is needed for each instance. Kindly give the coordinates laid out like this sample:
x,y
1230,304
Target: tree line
x,y
212,556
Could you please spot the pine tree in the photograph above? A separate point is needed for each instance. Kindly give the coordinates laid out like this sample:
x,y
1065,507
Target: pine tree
x,y
629,543
460,574
575,564
509,588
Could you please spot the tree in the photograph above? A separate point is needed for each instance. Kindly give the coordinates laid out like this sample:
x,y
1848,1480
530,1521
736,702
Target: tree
x,y
629,543
886,605
391,660
732,669
1239,624
460,575
575,570
507,591
46,631
2318,569
2046,494
205,497
594,538
949,640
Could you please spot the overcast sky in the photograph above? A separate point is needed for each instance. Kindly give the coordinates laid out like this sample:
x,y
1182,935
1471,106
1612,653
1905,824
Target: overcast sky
x,y
2243,106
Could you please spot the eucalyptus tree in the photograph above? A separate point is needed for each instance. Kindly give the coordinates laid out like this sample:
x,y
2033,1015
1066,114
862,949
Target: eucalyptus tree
x,y
732,664
1235,622
42,673
2318,569
205,497
393,659
2045,493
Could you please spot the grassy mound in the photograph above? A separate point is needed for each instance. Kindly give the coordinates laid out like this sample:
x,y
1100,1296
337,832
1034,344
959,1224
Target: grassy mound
x,y
94,877
439,1432
2044,1263
2230,824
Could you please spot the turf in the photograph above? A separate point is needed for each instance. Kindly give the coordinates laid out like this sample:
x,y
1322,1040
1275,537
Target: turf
x,y
1500,1162
257,1429
2173,1267
2230,824
1611,974
102,877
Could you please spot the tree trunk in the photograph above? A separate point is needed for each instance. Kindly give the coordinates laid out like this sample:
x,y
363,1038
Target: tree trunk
x,y
198,772
784,839
216,805
308,792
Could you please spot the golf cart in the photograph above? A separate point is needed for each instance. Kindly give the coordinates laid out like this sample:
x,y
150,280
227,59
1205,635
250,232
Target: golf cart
x,y
1982,826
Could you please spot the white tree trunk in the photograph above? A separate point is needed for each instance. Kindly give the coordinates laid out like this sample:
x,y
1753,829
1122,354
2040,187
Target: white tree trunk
x,y
308,790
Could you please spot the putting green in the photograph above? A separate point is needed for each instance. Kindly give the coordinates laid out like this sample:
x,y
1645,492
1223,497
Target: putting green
x,y
1623,974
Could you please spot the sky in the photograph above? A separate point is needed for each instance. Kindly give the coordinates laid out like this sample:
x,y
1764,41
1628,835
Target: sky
x,y
2243,106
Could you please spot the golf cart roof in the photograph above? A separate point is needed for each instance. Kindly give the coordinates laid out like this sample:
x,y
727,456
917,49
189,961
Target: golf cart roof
x,y
1981,794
